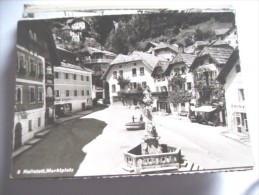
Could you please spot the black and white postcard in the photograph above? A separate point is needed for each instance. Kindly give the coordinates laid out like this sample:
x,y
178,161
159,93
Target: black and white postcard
x,y
153,92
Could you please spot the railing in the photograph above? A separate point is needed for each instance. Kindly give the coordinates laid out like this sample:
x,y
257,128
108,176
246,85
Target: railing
x,y
140,162
97,60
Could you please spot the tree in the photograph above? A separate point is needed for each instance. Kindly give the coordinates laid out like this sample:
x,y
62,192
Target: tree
x,y
122,82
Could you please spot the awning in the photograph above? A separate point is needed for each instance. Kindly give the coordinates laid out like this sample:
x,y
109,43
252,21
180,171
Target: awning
x,y
204,109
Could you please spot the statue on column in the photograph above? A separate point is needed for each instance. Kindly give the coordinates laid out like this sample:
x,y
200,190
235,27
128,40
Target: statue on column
x,y
151,137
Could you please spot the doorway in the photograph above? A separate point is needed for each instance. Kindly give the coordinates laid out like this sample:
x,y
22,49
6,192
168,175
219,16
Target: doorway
x,y
18,136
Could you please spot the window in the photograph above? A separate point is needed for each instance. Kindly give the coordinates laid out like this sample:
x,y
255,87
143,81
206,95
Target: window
x,y
67,93
40,69
40,94
39,122
114,74
30,125
144,84
134,85
241,95
113,88
134,72
32,95
75,92
87,78
176,71
238,68
135,64
183,70
189,85
141,69
57,93
82,77
121,73
32,67
56,75
83,93
66,75
21,62
74,76
18,96
87,92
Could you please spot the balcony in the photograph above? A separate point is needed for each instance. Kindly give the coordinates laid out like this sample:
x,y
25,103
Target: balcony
x,y
94,61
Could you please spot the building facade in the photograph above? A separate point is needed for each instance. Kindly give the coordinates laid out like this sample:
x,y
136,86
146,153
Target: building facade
x,y
181,84
208,91
231,77
30,103
136,70
73,89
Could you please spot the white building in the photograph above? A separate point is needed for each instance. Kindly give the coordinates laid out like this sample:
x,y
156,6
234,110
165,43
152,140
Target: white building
x,y
30,104
165,50
179,68
73,88
136,67
231,77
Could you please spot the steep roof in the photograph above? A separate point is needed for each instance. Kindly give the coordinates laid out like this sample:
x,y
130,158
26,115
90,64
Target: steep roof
x,y
221,31
185,58
220,42
219,54
228,67
163,45
148,59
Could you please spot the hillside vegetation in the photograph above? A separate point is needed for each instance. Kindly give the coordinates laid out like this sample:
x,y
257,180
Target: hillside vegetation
x,y
126,33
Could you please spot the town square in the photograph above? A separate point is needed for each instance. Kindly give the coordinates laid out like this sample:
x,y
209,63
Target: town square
x,y
129,94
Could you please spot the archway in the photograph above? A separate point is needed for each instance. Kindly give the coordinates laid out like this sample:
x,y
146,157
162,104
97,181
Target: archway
x,y
18,136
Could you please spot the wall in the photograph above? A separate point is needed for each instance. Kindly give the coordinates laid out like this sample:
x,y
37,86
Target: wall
x,y
127,73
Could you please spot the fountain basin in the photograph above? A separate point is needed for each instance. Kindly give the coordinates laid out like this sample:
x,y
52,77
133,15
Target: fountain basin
x,y
167,161
135,126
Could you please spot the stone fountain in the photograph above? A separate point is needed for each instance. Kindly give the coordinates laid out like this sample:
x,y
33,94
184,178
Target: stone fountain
x,y
150,156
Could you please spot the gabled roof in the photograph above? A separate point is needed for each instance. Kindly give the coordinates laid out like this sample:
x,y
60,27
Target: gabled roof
x,y
148,59
221,31
219,54
185,58
66,27
75,67
220,42
163,45
228,67
93,50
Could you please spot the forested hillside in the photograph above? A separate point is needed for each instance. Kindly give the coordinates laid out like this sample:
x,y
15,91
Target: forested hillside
x,y
126,33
